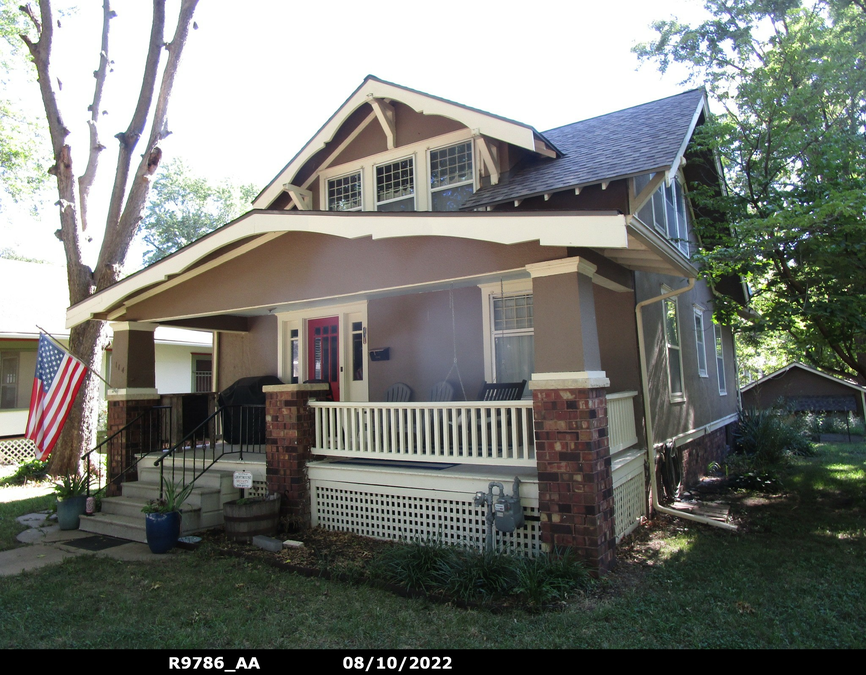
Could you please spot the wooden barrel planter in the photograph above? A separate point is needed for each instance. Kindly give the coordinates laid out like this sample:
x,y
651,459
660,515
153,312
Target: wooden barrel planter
x,y
250,518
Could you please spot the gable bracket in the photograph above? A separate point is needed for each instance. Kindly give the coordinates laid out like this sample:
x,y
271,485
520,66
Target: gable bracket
x,y
387,118
490,156
302,198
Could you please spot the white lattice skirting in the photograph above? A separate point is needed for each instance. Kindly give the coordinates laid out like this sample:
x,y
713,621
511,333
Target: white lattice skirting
x,y
406,514
17,450
629,492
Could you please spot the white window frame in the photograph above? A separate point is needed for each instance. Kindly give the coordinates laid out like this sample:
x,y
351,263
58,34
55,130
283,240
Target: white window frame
x,y
720,359
327,189
419,151
410,157
660,213
700,341
488,293
675,396
472,181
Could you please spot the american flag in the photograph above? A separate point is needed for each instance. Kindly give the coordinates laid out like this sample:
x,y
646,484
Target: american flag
x,y
58,378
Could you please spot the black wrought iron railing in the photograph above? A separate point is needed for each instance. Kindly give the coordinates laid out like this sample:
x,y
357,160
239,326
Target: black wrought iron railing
x,y
116,459
236,430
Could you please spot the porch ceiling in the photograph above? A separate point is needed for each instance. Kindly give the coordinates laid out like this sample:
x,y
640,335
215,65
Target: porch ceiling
x,y
223,247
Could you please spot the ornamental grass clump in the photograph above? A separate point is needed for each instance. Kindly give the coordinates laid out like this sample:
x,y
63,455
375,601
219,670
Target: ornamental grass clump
x,y
769,437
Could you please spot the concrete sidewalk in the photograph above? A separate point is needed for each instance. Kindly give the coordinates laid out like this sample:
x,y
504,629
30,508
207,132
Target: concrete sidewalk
x,y
47,544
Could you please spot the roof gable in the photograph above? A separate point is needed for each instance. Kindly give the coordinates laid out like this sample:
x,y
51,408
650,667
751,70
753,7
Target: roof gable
x,y
373,89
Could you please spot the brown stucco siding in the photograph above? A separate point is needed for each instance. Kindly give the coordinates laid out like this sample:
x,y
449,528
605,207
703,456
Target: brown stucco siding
x,y
248,354
703,404
417,329
299,266
591,198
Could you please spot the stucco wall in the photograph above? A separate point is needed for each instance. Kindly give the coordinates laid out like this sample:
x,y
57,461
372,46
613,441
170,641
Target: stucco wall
x,y
418,330
247,354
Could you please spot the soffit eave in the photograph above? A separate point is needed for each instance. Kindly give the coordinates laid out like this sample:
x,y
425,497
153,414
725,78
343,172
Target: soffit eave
x,y
257,228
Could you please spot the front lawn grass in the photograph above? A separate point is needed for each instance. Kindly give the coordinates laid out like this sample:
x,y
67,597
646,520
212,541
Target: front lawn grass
x,y
9,511
793,577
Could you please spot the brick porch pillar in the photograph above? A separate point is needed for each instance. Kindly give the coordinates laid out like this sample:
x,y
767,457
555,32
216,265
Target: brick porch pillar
x,y
290,436
132,376
575,484
575,487
124,406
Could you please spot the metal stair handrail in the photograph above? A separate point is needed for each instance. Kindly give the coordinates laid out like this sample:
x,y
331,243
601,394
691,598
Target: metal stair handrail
x,y
190,441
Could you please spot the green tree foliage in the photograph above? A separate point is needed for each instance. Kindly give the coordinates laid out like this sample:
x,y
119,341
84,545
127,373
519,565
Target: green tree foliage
x,y
24,149
788,81
183,208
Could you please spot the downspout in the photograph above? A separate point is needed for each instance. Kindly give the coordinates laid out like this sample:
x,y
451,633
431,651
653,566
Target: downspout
x,y
647,414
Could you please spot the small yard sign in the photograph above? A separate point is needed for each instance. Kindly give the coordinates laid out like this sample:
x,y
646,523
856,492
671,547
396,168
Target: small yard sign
x,y
242,479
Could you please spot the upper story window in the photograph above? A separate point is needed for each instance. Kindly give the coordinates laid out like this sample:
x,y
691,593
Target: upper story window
x,y
344,193
395,186
452,178
414,177
674,353
666,211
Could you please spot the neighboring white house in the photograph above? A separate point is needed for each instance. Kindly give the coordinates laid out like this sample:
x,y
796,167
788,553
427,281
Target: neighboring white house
x,y
34,294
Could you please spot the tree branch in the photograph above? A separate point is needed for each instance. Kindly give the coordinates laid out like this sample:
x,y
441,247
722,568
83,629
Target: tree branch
x,y
86,181
118,239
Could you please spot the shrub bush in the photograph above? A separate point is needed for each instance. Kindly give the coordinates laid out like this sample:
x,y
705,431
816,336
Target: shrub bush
x,y
32,471
768,437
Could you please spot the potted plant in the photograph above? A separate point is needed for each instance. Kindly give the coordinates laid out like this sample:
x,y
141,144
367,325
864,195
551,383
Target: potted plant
x,y
162,516
71,494
249,516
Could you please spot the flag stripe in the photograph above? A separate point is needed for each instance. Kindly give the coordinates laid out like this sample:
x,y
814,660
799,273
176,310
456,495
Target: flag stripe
x,y
58,378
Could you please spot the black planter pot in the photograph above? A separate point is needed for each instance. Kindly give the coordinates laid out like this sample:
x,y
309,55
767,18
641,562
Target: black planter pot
x,y
162,531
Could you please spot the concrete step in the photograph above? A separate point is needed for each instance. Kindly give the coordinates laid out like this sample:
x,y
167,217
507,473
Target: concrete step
x,y
132,527
212,478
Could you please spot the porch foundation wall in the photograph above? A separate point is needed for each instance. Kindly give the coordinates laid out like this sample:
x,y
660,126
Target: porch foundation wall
x,y
290,433
575,483
699,453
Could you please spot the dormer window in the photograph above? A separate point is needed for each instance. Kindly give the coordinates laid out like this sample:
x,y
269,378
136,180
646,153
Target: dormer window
x,y
666,211
395,186
344,193
452,179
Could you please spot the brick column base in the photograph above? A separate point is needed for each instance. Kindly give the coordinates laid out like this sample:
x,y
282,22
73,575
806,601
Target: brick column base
x,y
575,486
290,435
123,408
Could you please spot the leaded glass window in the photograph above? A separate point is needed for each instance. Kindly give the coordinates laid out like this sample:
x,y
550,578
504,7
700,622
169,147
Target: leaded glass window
x,y
451,176
395,186
344,193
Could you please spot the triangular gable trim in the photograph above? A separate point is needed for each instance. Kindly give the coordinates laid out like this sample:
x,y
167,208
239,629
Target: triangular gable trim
x,y
483,123
803,366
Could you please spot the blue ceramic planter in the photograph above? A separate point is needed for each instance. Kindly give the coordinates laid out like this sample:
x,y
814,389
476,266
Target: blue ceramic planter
x,y
162,531
69,512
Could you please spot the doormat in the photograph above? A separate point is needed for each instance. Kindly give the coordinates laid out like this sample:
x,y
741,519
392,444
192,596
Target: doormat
x,y
95,543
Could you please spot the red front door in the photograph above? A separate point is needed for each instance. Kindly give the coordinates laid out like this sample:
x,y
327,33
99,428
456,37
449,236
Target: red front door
x,y
323,359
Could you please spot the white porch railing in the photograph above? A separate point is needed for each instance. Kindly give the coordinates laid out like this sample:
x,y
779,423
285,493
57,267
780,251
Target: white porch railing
x,y
463,432
621,431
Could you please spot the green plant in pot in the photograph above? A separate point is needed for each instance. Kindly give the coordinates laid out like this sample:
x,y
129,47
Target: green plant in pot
x,y
162,516
71,492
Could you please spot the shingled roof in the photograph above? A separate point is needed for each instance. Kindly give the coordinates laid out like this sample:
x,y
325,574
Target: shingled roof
x,y
620,144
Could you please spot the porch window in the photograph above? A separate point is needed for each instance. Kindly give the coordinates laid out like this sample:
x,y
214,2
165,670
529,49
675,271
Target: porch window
x,y
513,337
344,193
720,360
294,349
666,211
395,186
674,353
9,381
452,179
700,342
202,374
